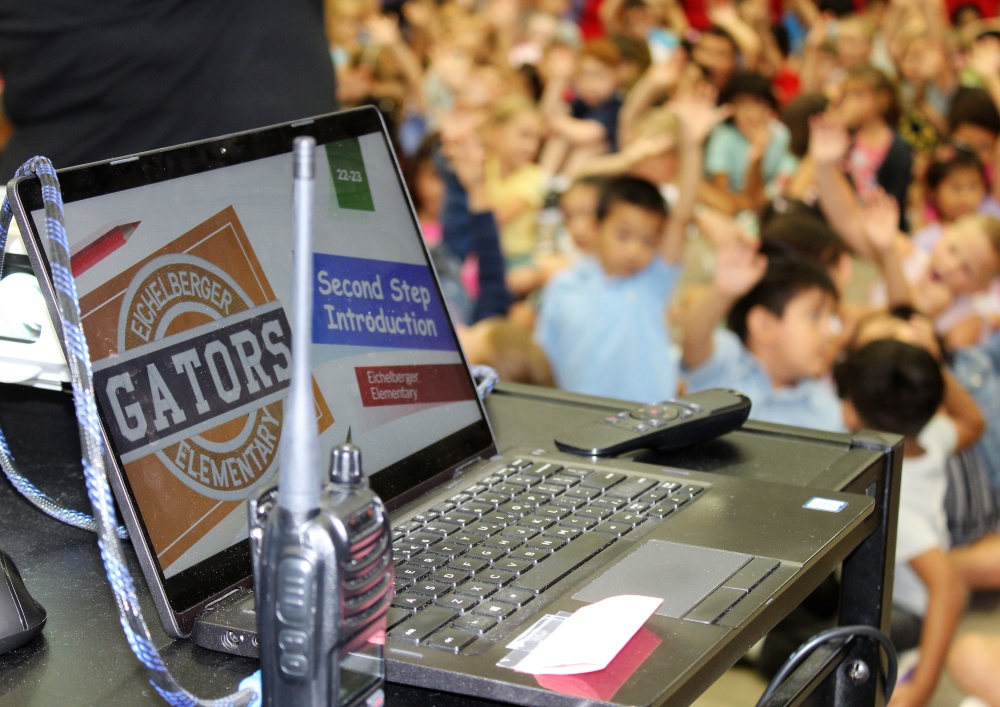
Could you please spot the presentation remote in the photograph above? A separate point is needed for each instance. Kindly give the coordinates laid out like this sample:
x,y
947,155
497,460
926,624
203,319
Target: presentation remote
x,y
670,424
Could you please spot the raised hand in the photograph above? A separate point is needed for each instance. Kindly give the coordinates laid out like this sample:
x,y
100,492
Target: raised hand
x,y
697,111
383,30
828,139
880,215
739,266
721,229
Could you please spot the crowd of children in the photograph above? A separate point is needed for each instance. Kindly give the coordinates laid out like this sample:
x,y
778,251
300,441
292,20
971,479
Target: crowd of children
x,y
638,198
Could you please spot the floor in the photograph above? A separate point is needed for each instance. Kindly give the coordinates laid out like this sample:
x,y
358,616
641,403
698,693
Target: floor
x,y
742,686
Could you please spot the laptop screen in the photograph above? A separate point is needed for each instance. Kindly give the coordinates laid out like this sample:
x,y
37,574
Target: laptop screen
x,y
183,264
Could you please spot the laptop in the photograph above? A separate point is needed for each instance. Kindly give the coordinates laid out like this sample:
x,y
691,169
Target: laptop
x,y
183,263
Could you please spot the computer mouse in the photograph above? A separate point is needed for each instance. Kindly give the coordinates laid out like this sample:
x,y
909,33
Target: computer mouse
x,y
21,617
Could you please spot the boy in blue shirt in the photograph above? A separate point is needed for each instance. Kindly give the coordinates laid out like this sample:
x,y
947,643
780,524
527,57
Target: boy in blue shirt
x,y
603,322
781,324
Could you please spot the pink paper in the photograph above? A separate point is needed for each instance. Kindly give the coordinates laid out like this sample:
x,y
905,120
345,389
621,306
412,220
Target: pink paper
x,y
590,638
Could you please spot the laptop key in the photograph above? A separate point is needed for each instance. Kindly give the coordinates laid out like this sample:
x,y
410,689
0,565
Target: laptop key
x,y
516,508
594,512
422,624
429,560
534,497
460,517
449,576
517,597
632,488
395,615
484,529
529,554
570,502
484,552
495,610
474,622
563,532
562,562
537,522
493,576
423,537
410,601
691,491
550,489
512,565
556,512
430,589
411,572
451,639
524,479
508,488
503,542
466,539
458,602
518,531
547,543
543,470
612,528
469,564
494,499
627,517
654,495
447,548
612,504
478,507
478,590
603,480
441,527
583,492
578,522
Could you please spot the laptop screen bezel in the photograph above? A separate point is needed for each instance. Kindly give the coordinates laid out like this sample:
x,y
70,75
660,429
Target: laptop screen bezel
x,y
189,590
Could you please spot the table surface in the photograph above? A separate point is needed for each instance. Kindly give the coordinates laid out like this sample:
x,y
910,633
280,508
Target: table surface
x,y
82,656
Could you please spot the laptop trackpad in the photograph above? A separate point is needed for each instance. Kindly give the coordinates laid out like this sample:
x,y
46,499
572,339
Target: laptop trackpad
x,y
682,575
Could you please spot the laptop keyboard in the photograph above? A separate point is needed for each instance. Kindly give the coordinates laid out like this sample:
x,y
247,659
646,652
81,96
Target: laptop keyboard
x,y
465,566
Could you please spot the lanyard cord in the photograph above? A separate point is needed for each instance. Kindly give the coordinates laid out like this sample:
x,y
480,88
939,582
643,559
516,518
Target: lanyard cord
x,y
95,474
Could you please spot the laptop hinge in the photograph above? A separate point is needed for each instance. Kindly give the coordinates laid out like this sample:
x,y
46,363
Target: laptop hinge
x,y
461,469
211,605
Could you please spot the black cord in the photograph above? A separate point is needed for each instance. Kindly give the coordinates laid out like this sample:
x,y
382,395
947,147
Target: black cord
x,y
847,633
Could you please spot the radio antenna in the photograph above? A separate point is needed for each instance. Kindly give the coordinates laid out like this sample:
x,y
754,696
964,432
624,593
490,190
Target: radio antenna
x,y
299,480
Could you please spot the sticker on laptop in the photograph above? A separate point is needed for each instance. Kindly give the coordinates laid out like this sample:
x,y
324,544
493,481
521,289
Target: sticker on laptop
x,y
825,504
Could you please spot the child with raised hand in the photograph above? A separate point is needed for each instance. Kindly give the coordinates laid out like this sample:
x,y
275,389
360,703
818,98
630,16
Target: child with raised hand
x,y
587,125
940,283
747,158
872,154
781,326
603,322
515,183
896,387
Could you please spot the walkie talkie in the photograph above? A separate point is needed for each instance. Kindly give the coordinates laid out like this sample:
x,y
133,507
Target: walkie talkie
x,y
322,559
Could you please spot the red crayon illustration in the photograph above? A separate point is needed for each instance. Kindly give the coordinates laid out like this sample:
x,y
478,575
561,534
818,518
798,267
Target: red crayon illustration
x,y
92,250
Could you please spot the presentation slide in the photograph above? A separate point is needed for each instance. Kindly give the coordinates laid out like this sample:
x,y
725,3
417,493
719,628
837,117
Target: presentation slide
x,y
185,290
